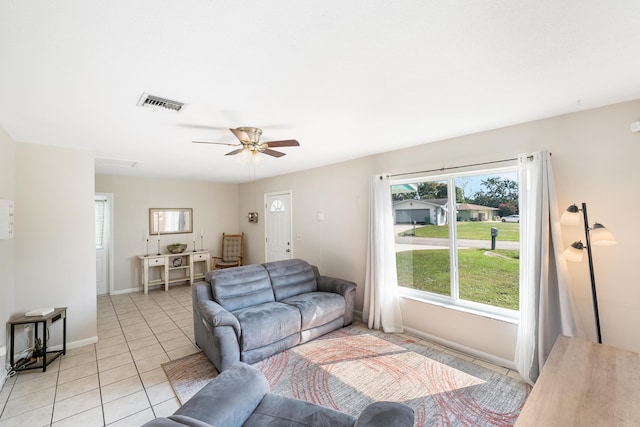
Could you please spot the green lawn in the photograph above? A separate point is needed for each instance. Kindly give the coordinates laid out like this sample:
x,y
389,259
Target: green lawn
x,y
483,278
481,230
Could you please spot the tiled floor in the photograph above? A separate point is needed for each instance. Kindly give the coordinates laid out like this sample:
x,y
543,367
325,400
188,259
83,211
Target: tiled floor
x,y
119,380
116,382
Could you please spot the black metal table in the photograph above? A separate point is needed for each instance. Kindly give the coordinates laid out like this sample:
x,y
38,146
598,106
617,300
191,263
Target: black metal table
x,y
46,321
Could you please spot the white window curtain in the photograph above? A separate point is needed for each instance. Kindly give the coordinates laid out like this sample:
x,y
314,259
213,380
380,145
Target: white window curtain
x,y
546,304
381,306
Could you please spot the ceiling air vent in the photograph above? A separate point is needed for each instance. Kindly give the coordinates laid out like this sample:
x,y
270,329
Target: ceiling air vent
x,y
147,100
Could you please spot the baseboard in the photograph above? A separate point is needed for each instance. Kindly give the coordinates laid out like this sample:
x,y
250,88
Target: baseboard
x,y
463,348
126,291
3,362
74,344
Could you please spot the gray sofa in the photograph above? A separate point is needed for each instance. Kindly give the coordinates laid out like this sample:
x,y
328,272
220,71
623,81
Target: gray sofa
x,y
240,397
251,312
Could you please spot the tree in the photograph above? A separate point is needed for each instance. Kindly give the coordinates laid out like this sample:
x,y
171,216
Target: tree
x,y
498,193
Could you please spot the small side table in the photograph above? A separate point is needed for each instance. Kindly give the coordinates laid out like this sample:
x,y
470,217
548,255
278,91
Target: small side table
x,y
46,321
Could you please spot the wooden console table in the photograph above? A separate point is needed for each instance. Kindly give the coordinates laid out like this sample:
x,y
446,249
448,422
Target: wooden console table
x,y
174,268
585,384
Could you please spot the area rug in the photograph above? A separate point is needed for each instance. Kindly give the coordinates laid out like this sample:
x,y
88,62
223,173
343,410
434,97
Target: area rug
x,y
352,367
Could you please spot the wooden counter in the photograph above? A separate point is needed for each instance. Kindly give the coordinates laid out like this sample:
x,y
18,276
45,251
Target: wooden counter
x,y
585,384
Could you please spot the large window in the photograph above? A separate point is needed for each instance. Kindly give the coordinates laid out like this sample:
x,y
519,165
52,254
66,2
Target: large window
x,y
457,239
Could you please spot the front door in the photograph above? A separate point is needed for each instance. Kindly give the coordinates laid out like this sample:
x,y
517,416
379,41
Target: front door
x,y
278,226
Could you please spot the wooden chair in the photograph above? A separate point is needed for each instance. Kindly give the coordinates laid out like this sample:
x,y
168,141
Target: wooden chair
x,y
232,251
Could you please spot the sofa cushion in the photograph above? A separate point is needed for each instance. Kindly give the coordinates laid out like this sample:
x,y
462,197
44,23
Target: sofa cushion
x,y
276,410
266,323
240,287
317,308
291,277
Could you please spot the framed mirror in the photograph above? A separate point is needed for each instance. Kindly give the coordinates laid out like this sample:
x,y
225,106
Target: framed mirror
x,y
170,220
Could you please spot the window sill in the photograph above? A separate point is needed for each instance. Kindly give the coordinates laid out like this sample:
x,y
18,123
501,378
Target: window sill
x,y
503,315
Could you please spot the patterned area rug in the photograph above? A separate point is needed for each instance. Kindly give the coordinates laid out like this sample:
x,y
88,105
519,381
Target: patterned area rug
x,y
352,367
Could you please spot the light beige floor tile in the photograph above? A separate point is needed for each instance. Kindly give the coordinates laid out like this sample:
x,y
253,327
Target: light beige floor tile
x,y
167,326
134,326
30,402
114,350
39,417
116,332
135,335
90,418
142,342
166,408
185,323
90,348
68,362
108,325
182,351
160,393
153,377
79,371
150,363
107,342
515,375
145,352
76,404
121,388
114,361
117,374
175,343
135,420
24,388
125,406
169,335
76,387
37,374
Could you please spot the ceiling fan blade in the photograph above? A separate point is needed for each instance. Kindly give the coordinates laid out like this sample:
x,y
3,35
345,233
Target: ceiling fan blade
x,y
231,153
283,143
215,143
273,153
241,135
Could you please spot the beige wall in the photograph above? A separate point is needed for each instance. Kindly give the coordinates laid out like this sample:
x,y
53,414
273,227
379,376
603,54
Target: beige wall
x,y
215,210
54,237
7,246
594,160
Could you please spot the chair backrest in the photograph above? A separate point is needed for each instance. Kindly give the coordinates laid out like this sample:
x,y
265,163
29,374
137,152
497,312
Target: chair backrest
x,y
232,247
241,287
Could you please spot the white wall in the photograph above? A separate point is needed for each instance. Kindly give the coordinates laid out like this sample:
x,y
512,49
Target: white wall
x,y
54,237
7,246
215,210
594,159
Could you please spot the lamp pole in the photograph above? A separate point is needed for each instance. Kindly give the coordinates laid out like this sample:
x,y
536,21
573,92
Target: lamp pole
x,y
591,273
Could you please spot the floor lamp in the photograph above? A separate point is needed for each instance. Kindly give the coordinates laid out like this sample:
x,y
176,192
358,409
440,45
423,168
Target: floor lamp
x,y
596,235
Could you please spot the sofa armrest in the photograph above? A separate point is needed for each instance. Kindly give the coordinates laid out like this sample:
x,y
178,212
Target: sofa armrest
x,y
215,315
337,286
343,287
229,399
386,414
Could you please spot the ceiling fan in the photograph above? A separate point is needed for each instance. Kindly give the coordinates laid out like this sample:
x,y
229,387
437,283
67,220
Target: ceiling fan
x,y
249,138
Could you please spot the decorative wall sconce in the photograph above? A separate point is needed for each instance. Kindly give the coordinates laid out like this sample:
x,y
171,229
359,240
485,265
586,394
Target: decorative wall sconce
x,y
253,217
596,235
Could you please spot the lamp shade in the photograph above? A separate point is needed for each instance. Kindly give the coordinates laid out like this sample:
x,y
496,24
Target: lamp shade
x,y
601,236
574,253
571,216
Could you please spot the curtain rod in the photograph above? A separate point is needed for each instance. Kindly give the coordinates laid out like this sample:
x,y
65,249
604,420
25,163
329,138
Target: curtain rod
x,y
458,167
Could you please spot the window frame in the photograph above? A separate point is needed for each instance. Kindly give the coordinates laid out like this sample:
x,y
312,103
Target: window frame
x,y
453,300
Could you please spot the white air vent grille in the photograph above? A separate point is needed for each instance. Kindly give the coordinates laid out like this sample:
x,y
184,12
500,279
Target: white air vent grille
x,y
147,100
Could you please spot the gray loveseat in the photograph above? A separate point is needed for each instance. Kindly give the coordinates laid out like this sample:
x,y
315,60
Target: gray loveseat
x,y
240,397
251,312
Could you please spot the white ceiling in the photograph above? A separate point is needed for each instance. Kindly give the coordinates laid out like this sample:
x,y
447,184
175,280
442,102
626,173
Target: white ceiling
x,y
345,78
